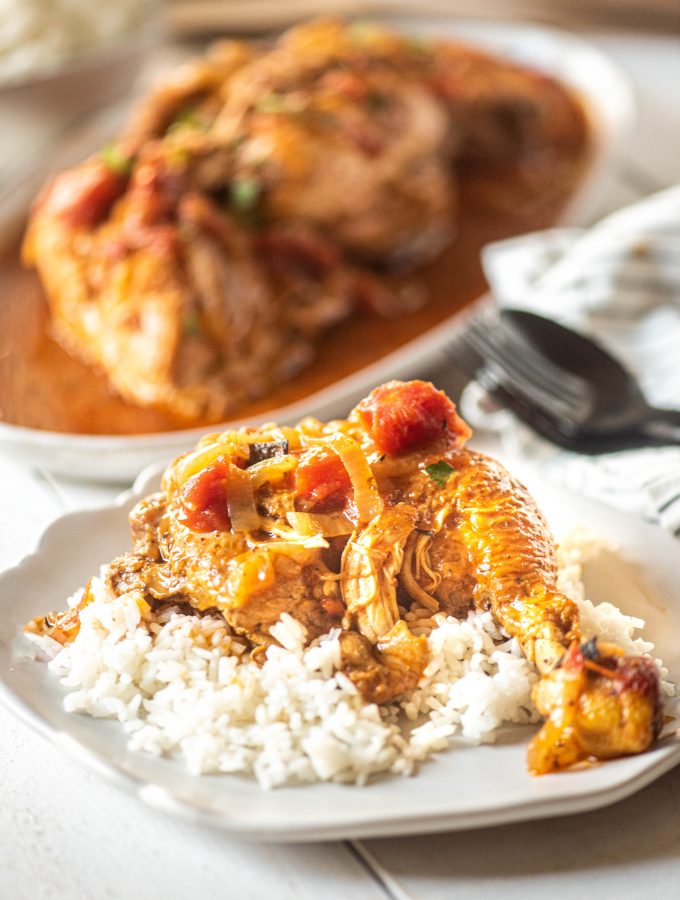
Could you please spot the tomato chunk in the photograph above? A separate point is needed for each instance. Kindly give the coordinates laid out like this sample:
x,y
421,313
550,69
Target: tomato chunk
x,y
321,480
203,500
83,197
402,416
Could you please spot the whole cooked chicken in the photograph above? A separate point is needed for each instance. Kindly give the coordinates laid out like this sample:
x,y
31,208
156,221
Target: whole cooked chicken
x,y
350,525
255,198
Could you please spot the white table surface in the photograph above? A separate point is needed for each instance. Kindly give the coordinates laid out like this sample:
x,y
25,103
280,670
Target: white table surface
x,y
65,834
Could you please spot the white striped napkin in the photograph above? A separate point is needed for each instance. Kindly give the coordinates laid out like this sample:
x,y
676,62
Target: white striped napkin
x,y
619,282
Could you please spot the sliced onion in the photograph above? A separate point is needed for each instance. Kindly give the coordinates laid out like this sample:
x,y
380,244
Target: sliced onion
x,y
303,550
326,524
284,433
367,499
187,466
273,469
241,501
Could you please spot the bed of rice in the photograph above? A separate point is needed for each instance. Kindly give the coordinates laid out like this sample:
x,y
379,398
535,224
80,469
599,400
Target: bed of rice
x,y
182,684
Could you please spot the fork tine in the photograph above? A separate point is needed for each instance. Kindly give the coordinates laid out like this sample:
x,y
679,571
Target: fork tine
x,y
502,371
542,419
518,381
492,376
506,370
467,358
515,353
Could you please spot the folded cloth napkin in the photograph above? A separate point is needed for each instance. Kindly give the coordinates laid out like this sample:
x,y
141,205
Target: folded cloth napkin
x,y
618,282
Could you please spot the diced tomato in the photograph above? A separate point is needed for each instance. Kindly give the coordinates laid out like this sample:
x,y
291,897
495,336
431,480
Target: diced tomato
x,y
321,480
150,220
346,83
203,500
295,252
83,196
402,416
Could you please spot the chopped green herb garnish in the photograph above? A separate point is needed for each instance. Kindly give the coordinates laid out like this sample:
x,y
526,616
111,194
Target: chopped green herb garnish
x,y
187,118
244,194
115,159
418,46
439,472
363,32
177,155
271,103
191,324
377,101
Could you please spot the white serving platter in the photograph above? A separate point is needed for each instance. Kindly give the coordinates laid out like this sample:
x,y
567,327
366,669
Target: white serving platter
x,y
608,96
462,788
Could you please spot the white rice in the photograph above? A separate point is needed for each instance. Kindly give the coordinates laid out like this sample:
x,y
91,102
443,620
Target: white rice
x,y
41,35
182,685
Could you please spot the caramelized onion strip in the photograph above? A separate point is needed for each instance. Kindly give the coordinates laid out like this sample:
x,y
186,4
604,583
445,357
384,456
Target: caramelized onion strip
x,y
326,524
274,469
241,501
367,499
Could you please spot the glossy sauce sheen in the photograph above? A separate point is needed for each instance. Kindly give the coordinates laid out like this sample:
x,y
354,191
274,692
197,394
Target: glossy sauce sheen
x,y
41,386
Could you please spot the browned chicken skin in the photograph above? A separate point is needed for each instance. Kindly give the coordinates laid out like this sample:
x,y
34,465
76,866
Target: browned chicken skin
x,y
354,523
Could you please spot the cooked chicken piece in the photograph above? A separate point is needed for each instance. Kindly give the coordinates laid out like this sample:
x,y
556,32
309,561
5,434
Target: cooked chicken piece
x,y
391,668
501,111
599,703
500,553
197,261
491,545
355,130
372,558
204,313
335,138
250,578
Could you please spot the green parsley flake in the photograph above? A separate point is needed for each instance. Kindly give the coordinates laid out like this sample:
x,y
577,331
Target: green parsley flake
x,y
418,46
271,103
439,472
187,118
115,160
244,193
191,325
363,32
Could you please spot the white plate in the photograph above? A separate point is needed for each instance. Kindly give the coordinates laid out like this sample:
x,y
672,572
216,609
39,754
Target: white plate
x,y
465,787
608,96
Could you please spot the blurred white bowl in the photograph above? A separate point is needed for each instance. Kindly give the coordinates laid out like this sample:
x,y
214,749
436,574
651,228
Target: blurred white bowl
x,y
37,106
